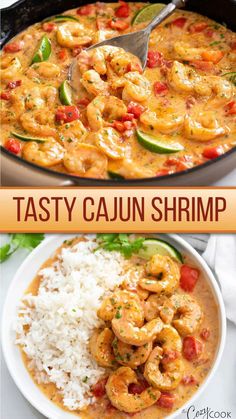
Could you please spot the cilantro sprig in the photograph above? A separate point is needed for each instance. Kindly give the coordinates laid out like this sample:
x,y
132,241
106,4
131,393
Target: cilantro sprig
x,y
120,242
27,241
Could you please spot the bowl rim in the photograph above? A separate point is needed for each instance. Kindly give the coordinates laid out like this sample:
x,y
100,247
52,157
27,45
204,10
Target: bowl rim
x,y
43,246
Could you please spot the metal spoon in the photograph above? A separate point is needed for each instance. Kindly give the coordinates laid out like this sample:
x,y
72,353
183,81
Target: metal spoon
x,y
136,42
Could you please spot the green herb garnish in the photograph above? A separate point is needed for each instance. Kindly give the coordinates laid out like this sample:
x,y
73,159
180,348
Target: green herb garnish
x,y
27,241
121,243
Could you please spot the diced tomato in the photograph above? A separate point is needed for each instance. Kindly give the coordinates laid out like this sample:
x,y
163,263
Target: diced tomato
x,y
169,356
119,126
233,45
86,10
230,108
118,24
139,387
13,145
14,84
62,54
160,88
123,10
49,26
192,348
179,22
134,67
164,172
127,117
188,277
166,400
154,59
213,152
99,389
83,102
135,109
189,380
198,27
5,95
67,114
14,46
212,56
205,333
207,66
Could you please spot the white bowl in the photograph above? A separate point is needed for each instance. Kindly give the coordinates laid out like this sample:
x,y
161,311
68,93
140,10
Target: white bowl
x,y
20,283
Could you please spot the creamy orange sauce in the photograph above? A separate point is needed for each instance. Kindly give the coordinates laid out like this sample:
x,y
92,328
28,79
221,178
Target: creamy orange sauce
x,y
197,118
198,369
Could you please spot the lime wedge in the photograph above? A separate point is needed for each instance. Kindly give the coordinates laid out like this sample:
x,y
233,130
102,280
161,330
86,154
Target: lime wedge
x,y
43,52
153,144
23,137
147,13
153,246
114,175
65,93
61,18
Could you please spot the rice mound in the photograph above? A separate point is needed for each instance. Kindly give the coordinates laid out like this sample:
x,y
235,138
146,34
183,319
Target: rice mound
x,y
62,317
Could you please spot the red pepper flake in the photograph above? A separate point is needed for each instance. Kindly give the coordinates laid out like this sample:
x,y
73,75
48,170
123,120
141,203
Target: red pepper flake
x,y
5,95
205,333
189,380
14,84
49,26
160,88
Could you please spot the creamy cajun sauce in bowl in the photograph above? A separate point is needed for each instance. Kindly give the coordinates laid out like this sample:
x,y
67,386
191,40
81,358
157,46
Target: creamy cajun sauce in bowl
x,y
155,341
119,122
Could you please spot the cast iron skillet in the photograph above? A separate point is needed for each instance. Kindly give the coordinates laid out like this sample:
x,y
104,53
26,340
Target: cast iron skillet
x,y
18,171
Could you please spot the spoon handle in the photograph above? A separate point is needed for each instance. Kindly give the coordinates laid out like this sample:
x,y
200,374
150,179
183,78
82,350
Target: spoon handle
x,y
164,13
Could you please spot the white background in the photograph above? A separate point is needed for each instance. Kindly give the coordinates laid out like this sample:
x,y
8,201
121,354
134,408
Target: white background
x,y
220,395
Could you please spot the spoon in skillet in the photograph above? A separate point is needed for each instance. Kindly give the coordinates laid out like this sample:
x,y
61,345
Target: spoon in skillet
x,y
136,42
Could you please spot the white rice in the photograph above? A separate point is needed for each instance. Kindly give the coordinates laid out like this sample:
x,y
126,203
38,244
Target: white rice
x,y
62,317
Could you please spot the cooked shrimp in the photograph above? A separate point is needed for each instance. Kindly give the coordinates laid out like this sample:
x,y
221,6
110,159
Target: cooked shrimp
x,y
46,154
101,347
102,107
73,34
13,108
117,389
85,160
169,124
9,67
187,53
45,70
133,335
41,97
136,87
169,378
93,83
72,132
129,355
204,128
122,301
38,123
110,142
130,283
189,310
169,339
166,272
222,88
185,79
103,34
158,305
